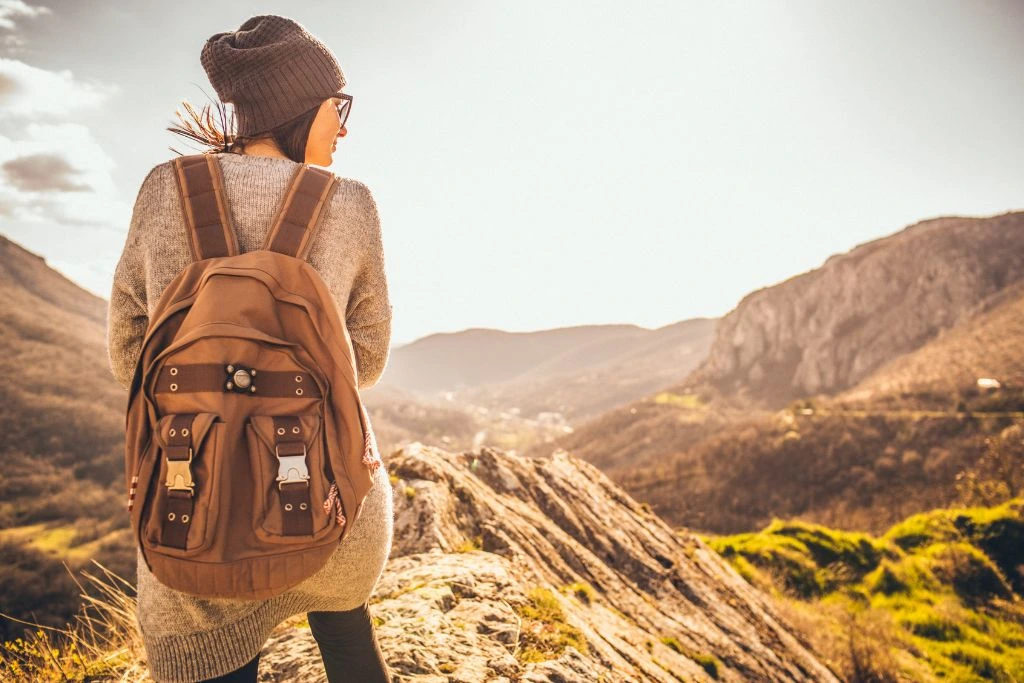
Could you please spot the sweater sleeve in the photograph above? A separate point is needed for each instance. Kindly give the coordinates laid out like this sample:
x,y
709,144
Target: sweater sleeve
x,y
127,311
368,313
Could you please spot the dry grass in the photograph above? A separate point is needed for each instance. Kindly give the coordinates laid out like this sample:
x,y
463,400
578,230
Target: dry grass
x,y
101,644
860,647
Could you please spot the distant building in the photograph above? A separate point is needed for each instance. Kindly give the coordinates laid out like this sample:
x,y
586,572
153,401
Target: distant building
x,y
550,418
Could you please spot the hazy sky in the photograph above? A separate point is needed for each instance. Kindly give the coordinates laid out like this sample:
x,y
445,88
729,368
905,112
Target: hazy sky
x,y
541,164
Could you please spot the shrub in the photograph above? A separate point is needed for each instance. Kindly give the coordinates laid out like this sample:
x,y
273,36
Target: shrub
x,y
545,632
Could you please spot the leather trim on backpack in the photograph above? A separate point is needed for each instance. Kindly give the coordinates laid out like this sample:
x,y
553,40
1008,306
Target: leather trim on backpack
x,y
205,207
301,211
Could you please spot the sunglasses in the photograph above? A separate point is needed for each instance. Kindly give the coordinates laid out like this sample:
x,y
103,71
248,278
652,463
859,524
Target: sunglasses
x,y
344,107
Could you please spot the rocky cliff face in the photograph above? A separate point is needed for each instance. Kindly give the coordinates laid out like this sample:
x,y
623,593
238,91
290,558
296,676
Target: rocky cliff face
x,y
507,568
824,330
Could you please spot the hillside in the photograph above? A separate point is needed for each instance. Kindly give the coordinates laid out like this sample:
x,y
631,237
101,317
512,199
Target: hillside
x,y
987,344
449,360
937,597
61,478
740,462
576,372
827,329
867,457
862,459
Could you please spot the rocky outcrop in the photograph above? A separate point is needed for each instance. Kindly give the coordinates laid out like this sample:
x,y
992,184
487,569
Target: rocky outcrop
x,y
825,330
506,568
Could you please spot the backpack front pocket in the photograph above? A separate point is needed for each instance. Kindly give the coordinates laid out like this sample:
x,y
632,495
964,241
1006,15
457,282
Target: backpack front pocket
x,y
286,456
181,510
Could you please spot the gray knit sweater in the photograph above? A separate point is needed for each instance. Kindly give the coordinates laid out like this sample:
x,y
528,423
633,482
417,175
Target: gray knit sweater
x,y
188,638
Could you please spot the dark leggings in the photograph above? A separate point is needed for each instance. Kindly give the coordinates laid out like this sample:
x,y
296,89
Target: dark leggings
x,y
348,647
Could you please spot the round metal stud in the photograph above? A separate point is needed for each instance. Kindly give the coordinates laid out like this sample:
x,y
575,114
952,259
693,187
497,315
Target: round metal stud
x,y
302,506
184,519
280,430
298,392
230,384
288,506
184,432
298,378
170,516
242,378
252,389
295,430
253,372
174,371
174,387
173,432
231,368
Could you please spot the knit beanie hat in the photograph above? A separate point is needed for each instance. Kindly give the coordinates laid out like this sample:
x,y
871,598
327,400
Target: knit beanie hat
x,y
272,70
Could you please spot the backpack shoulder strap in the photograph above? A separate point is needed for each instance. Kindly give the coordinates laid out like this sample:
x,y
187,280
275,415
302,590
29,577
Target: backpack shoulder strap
x,y
204,203
301,211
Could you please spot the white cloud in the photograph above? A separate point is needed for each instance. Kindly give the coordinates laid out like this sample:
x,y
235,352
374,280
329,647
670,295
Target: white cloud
x,y
13,42
30,92
56,218
51,170
9,9
62,146
57,192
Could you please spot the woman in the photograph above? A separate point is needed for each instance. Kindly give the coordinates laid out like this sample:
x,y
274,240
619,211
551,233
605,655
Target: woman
x,y
285,86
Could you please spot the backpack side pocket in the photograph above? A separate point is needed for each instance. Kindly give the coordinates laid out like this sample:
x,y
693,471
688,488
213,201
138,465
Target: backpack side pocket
x,y
286,456
181,510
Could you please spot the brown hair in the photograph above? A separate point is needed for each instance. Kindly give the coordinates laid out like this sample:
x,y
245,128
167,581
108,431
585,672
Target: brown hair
x,y
219,136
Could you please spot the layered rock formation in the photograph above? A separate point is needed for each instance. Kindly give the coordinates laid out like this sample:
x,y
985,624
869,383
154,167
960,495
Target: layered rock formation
x,y
507,568
824,330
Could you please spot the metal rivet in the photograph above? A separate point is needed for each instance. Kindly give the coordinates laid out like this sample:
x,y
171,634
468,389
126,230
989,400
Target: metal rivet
x,y
231,368
170,515
242,378
288,506
295,430
173,432
280,430
174,387
230,385
174,371
302,506
252,389
252,372
184,519
298,392
184,432
298,378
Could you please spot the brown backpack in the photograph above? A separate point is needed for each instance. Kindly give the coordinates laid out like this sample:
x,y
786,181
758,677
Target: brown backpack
x,y
246,439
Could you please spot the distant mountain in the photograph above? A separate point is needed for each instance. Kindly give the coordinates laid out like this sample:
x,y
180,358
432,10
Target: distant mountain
x,y
575,371
827,329
713,451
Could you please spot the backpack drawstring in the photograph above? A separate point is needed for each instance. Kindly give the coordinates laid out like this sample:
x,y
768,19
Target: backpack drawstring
x,y
334,501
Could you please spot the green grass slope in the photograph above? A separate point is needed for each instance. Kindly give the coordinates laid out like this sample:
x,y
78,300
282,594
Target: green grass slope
x,y
937,597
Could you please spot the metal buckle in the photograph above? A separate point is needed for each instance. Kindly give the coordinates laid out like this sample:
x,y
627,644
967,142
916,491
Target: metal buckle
x,y
180,470
289,465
